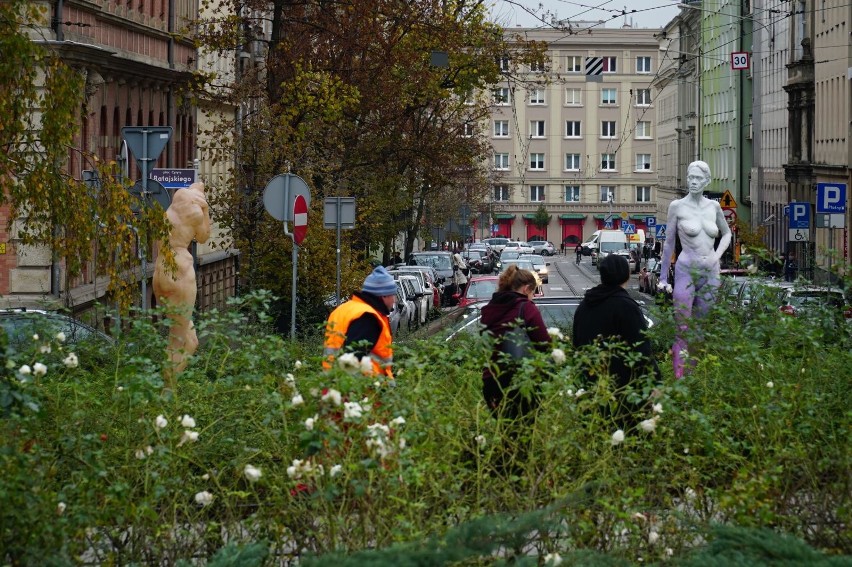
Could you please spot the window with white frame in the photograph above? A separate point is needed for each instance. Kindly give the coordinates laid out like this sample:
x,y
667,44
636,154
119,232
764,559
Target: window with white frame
x,y
574,64
501,128
537,96
501,192
643,194
501,161
607,193
573,97
608,96
539,65
501,96
536,128
572,193
536,161
503,63
469,129
643,162
643,129
643,64
643,97
572,162
536,193
607,162
572,129
608,129
609,64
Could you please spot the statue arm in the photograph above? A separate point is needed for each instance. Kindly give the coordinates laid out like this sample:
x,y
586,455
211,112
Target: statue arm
x,y
724,231
203,232
669,245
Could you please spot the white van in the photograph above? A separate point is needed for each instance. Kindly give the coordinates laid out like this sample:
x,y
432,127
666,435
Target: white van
x,y
607,242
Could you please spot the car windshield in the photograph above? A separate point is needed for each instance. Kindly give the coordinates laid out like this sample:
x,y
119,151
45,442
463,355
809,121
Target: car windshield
x,y
437,261
816,298
481,289
509,255
535,259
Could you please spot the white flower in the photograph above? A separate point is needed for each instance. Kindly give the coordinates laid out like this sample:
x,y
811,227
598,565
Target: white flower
x,y
160,423
664,287
552,559
657,408
309,423
569,392
760,365
366,365
639,516
580,392
398,420
44,349
770,384
25,370
35,337
335,470
351,410
669,552
653,537
297,400
558,356
686,450
140,454
618,437
803,371
187,422
333,396
349,362
60,336
555,333
60,508
253,474
649,425
205,476
689,494
204,498
297,365
401,443
480,440
71,361
39,369
120,388
188,437
752,269
290,379
149,450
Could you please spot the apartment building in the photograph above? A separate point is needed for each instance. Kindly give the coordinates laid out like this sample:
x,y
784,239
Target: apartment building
x,y
575,134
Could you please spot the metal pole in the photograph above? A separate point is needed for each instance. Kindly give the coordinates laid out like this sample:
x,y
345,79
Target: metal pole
x,y
144,163
337,200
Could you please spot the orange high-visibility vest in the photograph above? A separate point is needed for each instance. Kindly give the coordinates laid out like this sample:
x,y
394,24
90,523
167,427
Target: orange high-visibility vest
x,y
335,335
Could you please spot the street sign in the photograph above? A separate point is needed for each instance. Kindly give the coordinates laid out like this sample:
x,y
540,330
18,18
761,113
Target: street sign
x,y
347,213
173,178
800,215
300,219
146,143
608,225
730,216
831,202
650,222
661,232
624,216
628,228
739,60
154,193
727,201
280,195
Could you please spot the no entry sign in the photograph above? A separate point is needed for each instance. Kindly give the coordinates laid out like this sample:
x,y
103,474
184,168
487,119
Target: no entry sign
x,y
300,219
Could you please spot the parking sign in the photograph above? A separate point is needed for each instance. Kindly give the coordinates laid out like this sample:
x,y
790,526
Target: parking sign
x,y
831,205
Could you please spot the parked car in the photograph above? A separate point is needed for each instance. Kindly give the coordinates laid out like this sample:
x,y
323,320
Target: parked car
x,y
442,262
417,295
479,288
405,306
516,246
423,282
478,261
804,300
543,248
540,265
631,260
432,277
21,324
649,277
497,244
399,315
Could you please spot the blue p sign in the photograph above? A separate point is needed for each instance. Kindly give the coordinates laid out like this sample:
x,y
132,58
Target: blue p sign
x,y
800,215
831,197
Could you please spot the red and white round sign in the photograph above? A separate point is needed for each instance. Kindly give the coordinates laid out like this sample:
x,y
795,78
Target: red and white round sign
x,y
300,219
730,216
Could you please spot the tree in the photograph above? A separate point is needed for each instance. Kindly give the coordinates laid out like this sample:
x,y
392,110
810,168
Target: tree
x,y
541,218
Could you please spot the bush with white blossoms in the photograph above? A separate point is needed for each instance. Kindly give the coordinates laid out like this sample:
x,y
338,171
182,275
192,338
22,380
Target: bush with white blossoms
x,y
349,362
252,473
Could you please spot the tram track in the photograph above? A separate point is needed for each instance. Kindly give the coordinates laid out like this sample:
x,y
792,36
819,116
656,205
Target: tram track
x,y
577,288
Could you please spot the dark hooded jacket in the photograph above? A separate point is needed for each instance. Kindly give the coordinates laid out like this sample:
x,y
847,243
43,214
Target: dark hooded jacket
x,y
500,315
608,311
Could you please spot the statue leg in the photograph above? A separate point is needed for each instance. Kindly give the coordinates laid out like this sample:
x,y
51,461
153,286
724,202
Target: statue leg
x,y
683,296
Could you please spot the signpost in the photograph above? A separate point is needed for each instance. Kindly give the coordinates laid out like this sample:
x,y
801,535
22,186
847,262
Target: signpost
x,y
650,223
799,222
661,232
339,213
831,211
174,178
739,60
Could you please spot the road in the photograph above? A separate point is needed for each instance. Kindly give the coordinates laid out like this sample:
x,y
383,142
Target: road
x,y
567,278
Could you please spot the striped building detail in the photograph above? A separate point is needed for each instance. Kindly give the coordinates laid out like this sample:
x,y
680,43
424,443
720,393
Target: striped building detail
x,y
594,65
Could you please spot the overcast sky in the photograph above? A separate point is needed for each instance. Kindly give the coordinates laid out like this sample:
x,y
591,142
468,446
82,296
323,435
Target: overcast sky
x,y
529,13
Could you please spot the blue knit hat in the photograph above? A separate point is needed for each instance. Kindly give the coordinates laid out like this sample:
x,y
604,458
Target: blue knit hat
x,y
379,283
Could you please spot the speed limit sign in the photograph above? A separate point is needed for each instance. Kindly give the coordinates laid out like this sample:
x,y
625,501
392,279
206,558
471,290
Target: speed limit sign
x,y
739,60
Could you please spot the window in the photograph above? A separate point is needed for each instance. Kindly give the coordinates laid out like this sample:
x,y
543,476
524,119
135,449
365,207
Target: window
x,y
501,95
643,162
643,64
572,193
607,129
607,96
469,130
643,97
573,97
643,194
572,129
643,129
537,161
536,128
501,128
501,161
607,162
536,193
537,96
539,65
574,64
607,194
609,65
501,192
503,63
572,162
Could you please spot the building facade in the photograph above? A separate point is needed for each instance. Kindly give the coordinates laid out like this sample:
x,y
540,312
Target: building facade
x,y
575,135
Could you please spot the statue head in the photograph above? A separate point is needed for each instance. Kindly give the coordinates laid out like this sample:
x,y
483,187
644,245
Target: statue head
x,y
697,177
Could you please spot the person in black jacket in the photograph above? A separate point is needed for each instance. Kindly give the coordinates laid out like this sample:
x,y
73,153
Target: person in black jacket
x,y
607,312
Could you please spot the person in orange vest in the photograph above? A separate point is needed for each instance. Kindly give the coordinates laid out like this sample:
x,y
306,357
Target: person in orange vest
x,y
361,325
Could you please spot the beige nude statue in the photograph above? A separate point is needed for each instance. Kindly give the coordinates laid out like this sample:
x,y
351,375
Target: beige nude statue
x,y
176,291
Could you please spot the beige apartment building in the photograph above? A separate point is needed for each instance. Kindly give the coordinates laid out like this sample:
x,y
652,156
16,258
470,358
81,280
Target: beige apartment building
x,y
576,134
